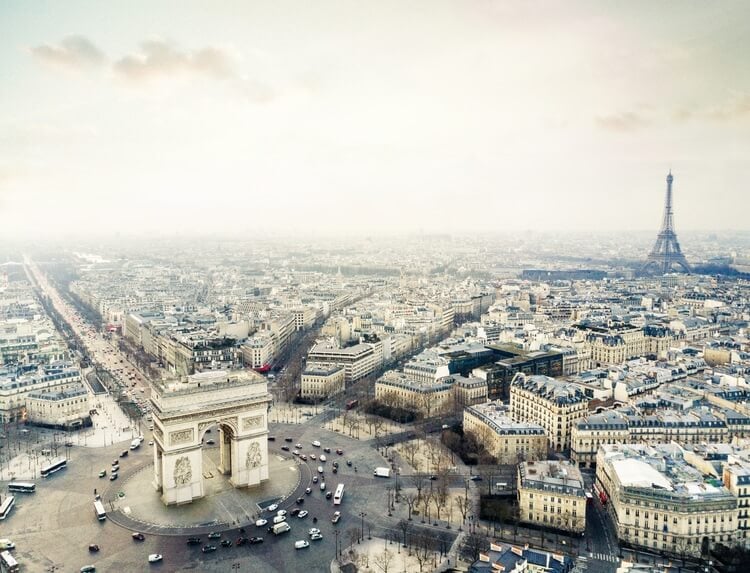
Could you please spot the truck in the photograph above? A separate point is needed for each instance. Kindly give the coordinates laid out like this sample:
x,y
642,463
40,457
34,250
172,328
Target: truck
x,y
279,528
382,472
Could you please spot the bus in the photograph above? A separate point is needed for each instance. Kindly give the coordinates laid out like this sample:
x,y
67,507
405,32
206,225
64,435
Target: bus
x,y
22,486
8,562
351,404
6,506
338,496
101,515
54,466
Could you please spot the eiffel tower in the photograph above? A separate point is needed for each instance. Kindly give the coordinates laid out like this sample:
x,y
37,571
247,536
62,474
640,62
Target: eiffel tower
x,y
666,253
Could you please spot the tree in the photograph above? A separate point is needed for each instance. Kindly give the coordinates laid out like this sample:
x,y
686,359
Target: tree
x,y
411,500
418,481
474,544
404,526
383,560
426,499
422,550
463,503
410,450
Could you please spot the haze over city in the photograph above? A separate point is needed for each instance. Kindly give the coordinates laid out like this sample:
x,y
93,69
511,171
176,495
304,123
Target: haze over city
x,y
381,117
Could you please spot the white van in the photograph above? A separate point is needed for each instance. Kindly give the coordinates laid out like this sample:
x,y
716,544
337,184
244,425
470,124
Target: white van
x,y
316,443
279,519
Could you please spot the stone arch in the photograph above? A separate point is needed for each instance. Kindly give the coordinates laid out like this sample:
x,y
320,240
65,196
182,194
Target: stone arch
x,y
182,415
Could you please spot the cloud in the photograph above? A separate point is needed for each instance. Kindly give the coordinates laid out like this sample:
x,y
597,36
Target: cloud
x,y
622,122
72,53
735,108
159,59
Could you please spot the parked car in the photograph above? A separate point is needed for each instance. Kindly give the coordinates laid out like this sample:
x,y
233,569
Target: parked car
x,y
285,448
154,558
302,514
301,544
339,451
273,507
313,531
193,540
261,522
240,541
214,535
103,473
316,536
254,540
138,536
113,477
295,511
93,547
281,512
226,543
208,548
290,440
327,450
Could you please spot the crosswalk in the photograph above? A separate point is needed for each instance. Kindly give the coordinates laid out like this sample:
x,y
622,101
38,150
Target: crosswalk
x,y
605,557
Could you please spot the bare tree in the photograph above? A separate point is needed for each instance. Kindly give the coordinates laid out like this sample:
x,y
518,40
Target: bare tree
x,y
423,551
474,544
463,503
353,535
404,526
418,481
426,499
411,500
383,560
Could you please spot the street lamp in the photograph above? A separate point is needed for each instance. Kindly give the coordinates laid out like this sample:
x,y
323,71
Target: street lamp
x,y
362,514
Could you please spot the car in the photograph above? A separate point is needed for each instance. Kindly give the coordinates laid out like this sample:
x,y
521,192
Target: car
x,y
316,443
113,477
193,540
116,463
313,457
301,544
273,507
271,438
240,541
303,457
138,536
476,478
313,531
308,490
254,540
285,448
281,512
151,442
208,548
323,458
335,470
295,452
339,451
210,442
302,514
316,536
298,446
335,464
124,453
320,469
290,440
322,486
432,478
261,522
336,517
87,569
295,511
214,535
349,463
329,494
103,473
327,450
93,547
155,558
300,500
226,543
315,479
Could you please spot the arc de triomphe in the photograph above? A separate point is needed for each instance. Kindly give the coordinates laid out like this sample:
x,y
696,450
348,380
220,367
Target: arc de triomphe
x,y
236,401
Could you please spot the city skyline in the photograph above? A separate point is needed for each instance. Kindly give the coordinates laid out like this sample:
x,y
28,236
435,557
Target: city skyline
x,y
372,119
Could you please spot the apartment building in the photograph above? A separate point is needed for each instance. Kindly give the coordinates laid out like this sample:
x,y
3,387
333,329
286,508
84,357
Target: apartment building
x,y
554,404
322,380
661,503
630,425
508,441
16,383
259,350
67,408
427,397
358,361
552,494
736,478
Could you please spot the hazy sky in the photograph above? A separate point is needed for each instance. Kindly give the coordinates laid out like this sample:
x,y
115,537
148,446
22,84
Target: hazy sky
x,y
363,116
